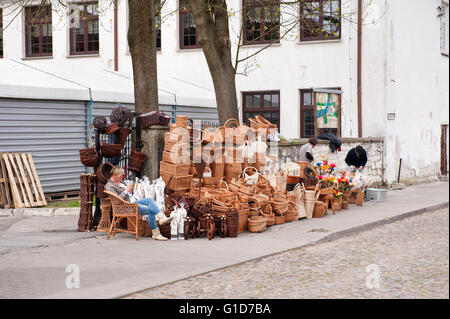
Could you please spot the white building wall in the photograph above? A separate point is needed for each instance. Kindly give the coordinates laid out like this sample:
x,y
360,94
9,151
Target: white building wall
x,y
410,78
403,72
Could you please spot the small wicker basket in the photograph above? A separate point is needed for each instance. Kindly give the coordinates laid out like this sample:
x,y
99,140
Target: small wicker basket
x,y
257,224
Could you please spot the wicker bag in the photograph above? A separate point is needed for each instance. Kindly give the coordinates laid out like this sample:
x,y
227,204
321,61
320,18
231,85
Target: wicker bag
x,y
310,199
300,200
250,179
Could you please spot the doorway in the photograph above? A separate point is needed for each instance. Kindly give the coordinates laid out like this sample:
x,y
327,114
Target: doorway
x,y
444,149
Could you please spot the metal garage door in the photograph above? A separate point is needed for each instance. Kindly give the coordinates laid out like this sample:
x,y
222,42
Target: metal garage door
x,y
53,132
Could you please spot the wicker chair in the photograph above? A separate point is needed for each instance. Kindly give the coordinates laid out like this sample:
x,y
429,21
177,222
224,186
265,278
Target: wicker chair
x,y
123,209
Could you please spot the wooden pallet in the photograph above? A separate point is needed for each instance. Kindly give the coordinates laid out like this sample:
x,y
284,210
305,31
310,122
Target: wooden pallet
x,y
6,200
24,185
64,196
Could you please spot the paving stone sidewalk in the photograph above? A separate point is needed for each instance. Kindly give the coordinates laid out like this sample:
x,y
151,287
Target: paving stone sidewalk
x,y
35,251
408,258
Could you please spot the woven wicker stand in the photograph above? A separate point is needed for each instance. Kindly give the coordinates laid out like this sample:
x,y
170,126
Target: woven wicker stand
x,y
105,221
86,221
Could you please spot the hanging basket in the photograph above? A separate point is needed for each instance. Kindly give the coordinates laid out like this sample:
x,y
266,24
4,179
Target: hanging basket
x,y
149,119
122,135
90,160
110,150
136,160
104,172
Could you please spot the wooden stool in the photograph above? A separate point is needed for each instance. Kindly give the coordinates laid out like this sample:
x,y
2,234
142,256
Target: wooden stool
x,y
105,221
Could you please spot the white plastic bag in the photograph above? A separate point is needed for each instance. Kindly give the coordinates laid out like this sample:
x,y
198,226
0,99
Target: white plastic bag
x,y
182,215
174,224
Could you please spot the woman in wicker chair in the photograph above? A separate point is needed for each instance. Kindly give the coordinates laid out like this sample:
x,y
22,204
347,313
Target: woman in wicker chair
x,y
146,206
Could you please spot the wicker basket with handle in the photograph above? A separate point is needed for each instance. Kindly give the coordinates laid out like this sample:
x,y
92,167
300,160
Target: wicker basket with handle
x,y
257,224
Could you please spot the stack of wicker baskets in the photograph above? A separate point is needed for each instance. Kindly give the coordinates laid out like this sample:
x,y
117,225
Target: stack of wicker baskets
x,y
175,165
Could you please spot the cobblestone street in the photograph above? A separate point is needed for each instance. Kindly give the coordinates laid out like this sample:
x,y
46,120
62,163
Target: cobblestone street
x,y
409,257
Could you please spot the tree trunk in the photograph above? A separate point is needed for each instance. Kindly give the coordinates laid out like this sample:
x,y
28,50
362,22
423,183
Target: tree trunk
x,y
142,43
214,38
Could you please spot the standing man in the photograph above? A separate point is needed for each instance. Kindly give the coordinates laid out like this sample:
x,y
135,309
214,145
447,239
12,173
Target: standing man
x,y
356,158
305,153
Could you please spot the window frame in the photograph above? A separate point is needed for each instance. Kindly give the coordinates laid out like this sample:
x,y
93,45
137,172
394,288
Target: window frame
x,y
444,29
262,109
1,33
304,108
158,37
182,11
261,30
85,42
30,21
321,37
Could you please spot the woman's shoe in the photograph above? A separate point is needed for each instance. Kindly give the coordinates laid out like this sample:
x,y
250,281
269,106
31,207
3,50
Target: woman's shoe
x,y
162,219
156,234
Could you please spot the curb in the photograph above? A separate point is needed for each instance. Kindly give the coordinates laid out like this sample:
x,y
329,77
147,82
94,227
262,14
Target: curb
x,y
368,226
331,237
43,212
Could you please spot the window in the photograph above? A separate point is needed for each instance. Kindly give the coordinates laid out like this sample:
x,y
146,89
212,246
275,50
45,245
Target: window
x,y
38,31
306,114
1,33
320,20
444,28
266,104
188,29
158,23
85,38
261,21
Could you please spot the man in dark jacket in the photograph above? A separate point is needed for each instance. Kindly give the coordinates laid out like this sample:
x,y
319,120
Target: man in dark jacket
x,y
356,158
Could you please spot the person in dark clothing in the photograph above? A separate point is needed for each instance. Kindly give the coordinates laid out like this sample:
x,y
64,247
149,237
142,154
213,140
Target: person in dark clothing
x,y
356,158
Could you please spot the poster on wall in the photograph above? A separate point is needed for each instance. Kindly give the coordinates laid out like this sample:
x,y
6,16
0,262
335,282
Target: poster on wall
x,y
327,110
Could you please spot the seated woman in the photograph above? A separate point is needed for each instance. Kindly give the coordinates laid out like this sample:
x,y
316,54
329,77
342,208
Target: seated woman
x,y
146,206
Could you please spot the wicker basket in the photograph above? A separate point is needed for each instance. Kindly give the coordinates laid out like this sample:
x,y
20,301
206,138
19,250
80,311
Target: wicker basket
x,y
243,220
122,135
177,183
280,219
176,147
270,219
319,209
149,119
232,170
175,159
174,169
103,172
110,150
87,152
279,204
232,224
90,160
176,136
111,128
136,160
292,214
257,224
164,119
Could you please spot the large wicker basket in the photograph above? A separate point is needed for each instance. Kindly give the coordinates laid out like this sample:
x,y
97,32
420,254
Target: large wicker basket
x,y
174,169
177,183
